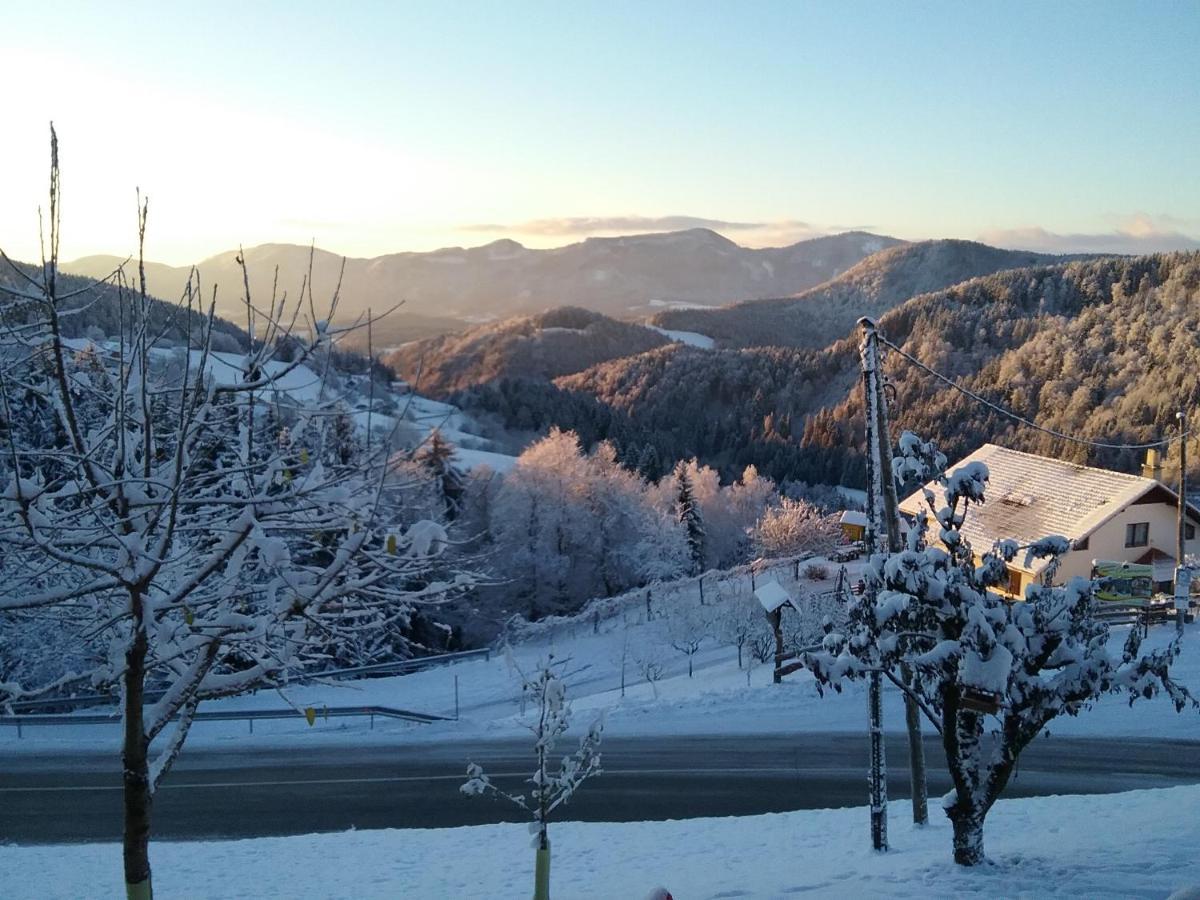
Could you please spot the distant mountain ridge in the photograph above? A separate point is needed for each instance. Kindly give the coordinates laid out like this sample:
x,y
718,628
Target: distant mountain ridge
x,y
827,312
619,276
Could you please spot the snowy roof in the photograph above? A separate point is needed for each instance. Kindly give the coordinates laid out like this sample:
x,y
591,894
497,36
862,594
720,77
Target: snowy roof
x,y
1030,497
772,596
854,517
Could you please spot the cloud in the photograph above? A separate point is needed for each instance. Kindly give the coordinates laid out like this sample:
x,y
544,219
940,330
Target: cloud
x,y
1138,234
581,225
778,232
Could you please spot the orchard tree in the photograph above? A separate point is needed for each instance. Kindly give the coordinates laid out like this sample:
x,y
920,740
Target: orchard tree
x,y
201,556
794,527
551,786
989,674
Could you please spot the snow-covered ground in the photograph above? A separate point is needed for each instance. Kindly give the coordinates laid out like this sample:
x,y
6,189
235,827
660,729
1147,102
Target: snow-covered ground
x,y
303,386
1135,844
720,698
691,338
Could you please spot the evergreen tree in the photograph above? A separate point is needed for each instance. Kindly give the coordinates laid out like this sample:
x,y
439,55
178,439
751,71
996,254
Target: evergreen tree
x,y
437,455
687,513
648,465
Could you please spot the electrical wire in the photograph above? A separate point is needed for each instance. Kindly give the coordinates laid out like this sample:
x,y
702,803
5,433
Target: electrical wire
x,y
1164,442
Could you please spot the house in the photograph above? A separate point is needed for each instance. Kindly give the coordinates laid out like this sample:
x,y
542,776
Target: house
x,y
854,524
1106,515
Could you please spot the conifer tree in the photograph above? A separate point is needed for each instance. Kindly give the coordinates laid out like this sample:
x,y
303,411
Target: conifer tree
x,y
437,455
687,513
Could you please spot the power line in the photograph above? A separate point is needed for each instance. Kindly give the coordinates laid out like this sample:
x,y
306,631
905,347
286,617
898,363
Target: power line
x,y
1164,442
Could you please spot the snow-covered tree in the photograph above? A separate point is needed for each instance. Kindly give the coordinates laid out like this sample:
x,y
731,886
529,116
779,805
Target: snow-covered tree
x,y
687,513
793,527
437,455
205,556
688,627
988,673
551,786
571,526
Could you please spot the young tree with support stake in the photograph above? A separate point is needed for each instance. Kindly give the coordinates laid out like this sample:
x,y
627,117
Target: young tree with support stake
x,y
550,789
976,657
201,555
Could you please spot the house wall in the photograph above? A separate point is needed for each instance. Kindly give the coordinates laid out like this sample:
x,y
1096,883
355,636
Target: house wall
x,y
853,532
1108,541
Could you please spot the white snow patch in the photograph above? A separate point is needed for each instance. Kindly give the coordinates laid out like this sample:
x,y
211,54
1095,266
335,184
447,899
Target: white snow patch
x,y
691,338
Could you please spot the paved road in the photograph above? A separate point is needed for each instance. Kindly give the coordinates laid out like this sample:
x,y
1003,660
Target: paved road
x,y
231,793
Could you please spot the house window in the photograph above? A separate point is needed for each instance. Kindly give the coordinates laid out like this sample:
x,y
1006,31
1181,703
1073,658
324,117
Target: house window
x,y
1189,532
1014,582
1137,534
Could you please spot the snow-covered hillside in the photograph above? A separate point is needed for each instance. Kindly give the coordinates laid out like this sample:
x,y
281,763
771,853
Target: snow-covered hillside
x,y
612,637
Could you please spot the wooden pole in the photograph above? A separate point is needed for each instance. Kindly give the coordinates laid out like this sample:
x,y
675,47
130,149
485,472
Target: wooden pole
x,y
891,521
876,543
1181,545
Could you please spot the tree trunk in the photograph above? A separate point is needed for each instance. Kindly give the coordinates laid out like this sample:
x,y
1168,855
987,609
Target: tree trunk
x,y
135,760
968,837
916,753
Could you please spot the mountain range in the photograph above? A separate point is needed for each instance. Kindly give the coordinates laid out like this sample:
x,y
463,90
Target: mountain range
x,y
441,290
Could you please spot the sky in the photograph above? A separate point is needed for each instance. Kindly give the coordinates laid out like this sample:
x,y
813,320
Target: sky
x,y
372,128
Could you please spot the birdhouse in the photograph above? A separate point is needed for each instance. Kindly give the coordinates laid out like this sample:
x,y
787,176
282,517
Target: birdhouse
x,y
979,700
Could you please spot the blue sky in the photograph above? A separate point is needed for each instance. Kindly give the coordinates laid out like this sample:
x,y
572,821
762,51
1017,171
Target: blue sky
x,y
390,126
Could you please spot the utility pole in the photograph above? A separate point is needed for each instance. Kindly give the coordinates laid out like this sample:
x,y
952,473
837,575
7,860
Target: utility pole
x,y
1182,581
876,542
885,537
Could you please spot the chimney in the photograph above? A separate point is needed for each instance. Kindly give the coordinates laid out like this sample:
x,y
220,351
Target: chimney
x,y
1152,467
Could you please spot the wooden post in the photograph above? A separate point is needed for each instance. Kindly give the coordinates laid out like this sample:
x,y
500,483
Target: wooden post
x,y
876,543
775,617
1181,544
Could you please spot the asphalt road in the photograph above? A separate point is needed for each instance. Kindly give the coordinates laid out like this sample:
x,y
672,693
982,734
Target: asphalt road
x,y
237,794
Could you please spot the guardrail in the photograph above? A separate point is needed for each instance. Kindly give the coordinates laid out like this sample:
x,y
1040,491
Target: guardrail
x,y
329,712
400,667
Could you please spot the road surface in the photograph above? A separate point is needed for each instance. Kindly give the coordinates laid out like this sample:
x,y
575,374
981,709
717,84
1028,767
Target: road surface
x,y
234,793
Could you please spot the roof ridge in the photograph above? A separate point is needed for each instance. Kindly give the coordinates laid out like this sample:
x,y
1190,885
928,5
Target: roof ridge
x,y
1064,462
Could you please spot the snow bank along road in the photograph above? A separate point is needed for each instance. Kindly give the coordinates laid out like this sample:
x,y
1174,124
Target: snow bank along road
x,y
235,794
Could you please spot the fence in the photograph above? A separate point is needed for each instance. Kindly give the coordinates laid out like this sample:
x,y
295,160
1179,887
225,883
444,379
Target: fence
x,y
250,715
84,701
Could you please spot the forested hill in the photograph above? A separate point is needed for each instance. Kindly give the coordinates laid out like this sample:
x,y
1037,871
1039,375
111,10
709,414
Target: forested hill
x,y
93,309
558,342
1106,348
879,283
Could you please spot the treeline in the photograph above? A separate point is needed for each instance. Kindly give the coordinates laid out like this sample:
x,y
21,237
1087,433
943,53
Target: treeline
x,y
566,525
94,310
827,312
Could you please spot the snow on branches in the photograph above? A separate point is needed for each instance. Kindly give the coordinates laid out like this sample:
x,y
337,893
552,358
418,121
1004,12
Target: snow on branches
x,y
550,787
980,660
154,504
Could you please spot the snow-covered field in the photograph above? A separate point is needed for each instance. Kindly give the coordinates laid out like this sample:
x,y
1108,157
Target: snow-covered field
x,y
1113,845
720,698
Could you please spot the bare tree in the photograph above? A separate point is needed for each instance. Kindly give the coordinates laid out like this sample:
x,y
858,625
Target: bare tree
x,y
201,548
